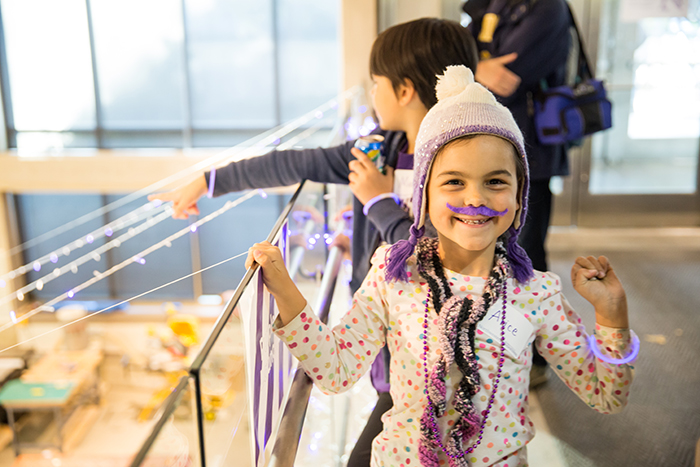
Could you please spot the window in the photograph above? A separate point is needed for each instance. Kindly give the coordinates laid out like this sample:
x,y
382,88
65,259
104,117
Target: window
x,y
158,73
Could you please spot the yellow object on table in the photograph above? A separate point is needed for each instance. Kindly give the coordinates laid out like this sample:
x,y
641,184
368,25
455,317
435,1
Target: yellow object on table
x,y
185,327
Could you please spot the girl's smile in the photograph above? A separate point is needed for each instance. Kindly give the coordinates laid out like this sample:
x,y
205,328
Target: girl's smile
x,y
480,215
471,222
477,178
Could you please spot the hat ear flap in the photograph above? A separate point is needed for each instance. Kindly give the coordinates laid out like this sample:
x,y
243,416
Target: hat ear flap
x,y
516,221
522,201
397,255
520,263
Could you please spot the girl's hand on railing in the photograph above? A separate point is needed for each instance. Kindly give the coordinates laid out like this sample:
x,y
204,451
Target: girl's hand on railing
x,y
289,299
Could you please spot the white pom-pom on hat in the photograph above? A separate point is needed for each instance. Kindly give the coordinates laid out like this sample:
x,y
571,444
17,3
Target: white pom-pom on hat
x,y
455,80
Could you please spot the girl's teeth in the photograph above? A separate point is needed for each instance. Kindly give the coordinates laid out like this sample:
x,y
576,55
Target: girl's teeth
x,y
473,222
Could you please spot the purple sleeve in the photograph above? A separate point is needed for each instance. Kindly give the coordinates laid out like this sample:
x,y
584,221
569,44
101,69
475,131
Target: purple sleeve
x,y
378,372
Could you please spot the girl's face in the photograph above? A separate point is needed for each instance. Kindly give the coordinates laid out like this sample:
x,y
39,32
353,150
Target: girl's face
x,y
479,171
385,102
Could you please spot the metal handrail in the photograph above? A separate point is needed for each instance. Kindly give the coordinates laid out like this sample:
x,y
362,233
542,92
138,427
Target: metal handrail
x,y
233,301
170,403
296,255
168,408
292,421
226,315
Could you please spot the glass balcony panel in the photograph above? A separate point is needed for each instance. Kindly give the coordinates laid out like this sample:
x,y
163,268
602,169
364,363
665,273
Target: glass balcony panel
x,y
177,442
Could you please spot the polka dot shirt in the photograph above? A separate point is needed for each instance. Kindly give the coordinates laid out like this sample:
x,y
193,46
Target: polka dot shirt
x,y
393,313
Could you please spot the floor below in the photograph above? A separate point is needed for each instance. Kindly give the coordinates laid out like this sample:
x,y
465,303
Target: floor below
x,y
660,427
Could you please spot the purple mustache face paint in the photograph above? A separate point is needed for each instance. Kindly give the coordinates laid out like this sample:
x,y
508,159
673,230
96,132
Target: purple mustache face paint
x,y
478,211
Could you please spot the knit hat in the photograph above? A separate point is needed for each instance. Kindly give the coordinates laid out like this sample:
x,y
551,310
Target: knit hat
x,y
464,108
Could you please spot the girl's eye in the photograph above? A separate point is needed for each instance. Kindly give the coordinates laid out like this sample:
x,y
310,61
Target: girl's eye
x,y
453,182
496,181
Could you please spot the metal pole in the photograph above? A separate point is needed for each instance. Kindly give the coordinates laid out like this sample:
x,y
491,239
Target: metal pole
x,y
196,259
186,91
5,89
168,408
99,130
109,254
276,66
200,417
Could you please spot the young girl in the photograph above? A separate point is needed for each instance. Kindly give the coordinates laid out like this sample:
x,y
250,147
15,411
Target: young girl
x,y
459,312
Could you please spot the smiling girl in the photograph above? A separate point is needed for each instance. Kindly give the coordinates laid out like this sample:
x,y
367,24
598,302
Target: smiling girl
x,y
460,312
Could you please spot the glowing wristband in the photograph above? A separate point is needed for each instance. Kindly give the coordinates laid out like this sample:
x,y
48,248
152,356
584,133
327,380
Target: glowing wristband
x,y
212,179
377,198
616,361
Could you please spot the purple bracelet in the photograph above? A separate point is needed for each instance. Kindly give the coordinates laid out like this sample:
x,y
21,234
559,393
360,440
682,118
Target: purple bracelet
x,y
373,201
212,179
616,361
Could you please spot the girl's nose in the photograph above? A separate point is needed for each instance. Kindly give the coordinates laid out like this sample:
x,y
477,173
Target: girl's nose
x,y
474,196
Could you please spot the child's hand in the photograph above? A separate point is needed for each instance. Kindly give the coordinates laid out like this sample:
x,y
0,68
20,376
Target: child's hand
x,y
276,278
269,257
184,199
366,181
343,242
596,281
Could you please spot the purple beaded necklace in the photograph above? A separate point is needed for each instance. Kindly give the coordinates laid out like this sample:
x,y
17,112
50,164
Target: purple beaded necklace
x,y
457,322
433,426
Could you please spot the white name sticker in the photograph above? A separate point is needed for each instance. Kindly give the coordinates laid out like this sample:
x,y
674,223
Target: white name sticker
x,y
403,186
518,328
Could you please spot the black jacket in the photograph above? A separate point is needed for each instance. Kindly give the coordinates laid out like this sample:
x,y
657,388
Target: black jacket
x,y
538,31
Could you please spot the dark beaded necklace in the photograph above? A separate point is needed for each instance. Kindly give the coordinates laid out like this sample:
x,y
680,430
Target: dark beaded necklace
x,y
433,426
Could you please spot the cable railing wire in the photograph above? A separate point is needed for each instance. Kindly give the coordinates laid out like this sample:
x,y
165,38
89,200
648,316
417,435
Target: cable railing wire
x,y
242,150
291,422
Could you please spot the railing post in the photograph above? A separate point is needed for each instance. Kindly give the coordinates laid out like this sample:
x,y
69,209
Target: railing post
x,y
200,418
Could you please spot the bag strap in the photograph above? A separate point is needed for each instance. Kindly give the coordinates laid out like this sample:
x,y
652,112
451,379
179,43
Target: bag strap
x,y
584,71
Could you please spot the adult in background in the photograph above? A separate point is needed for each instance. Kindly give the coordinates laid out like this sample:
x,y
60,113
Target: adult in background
x,y
522,44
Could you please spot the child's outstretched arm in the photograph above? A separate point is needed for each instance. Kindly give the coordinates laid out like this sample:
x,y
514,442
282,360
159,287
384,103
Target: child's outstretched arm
x,y
274,169
596,364
290,301
333,358
596,281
